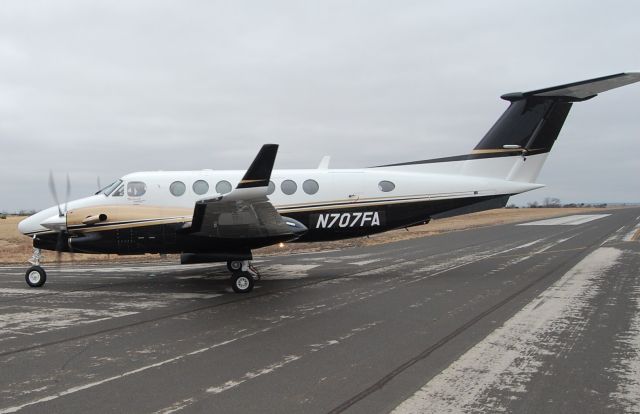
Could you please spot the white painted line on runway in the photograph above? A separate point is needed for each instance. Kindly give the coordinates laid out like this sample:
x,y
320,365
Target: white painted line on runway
x,y
573,220
253,374
230,384
508,357
78,388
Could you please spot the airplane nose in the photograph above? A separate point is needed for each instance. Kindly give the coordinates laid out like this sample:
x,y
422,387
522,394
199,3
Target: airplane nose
x,y
26,226
32,224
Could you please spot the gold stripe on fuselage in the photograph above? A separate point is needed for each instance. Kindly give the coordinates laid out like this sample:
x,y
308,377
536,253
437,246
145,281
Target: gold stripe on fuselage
x,y
132,216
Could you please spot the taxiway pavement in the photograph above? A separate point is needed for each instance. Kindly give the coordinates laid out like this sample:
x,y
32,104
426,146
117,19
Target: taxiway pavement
x,y
519,318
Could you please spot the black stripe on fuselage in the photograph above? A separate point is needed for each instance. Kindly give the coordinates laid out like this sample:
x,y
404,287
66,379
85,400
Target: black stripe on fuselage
x,y
466,157
169,237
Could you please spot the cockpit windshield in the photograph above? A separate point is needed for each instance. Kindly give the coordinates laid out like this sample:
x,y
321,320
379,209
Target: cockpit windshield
x,y
109,189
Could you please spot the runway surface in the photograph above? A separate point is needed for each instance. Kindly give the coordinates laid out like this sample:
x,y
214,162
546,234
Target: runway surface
x,y
517,318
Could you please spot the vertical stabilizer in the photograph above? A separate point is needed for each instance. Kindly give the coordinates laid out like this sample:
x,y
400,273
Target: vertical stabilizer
x,y
517,145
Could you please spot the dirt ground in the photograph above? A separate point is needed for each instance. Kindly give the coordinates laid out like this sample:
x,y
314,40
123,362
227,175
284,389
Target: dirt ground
x,y
16,248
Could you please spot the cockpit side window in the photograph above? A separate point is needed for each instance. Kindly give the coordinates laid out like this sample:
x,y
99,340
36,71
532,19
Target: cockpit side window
x,y
119,192
109,189
136,188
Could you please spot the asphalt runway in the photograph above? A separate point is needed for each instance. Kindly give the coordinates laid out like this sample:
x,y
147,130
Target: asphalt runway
x,y
517,318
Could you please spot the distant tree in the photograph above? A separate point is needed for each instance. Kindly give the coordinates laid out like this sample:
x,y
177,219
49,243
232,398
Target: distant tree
x,y
551,202
533,204
512,206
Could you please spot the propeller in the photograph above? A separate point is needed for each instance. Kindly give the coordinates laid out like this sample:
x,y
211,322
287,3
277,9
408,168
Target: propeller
x,y
62,232
54,193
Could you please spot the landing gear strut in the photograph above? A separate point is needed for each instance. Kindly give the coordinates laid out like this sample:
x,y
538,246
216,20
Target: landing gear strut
x,y
35,276
243,275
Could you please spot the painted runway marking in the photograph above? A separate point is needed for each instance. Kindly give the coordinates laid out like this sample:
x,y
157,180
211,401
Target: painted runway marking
x,y
508,357
253,374
287,359
574,220
78,388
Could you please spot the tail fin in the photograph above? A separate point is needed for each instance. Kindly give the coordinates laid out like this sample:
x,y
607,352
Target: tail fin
x,y
525,133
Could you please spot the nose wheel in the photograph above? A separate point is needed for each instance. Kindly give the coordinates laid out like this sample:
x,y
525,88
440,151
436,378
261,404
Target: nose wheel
x,y
35,276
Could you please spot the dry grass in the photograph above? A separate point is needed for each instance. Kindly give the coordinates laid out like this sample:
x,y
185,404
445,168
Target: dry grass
x,y
16,248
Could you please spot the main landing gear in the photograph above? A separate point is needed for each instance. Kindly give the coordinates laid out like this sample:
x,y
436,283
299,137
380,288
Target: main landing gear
x,y
35,275
243,275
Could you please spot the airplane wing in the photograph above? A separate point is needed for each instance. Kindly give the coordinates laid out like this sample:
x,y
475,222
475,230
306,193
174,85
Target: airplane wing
x,y
246,212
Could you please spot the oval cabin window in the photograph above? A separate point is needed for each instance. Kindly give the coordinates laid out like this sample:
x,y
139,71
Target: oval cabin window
x,y
288,187
386,186
223,187
200,187
271,188
310,186
177,188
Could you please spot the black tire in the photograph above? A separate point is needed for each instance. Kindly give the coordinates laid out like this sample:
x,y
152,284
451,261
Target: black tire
x,y
241,282
234,265
35,276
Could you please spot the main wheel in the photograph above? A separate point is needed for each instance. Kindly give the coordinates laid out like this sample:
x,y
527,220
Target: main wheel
x,y
35,276
242,282
234,265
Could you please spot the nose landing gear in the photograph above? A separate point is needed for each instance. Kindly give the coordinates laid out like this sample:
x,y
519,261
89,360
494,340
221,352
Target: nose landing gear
x,y
35,276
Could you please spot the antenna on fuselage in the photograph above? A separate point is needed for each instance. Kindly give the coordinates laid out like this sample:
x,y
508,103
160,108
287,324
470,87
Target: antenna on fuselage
x,y
324,162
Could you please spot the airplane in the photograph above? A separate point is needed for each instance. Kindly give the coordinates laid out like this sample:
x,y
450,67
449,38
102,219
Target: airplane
x,y
211,216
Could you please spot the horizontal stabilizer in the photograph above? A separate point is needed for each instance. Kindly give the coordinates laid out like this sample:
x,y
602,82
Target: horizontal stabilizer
x,y
578,91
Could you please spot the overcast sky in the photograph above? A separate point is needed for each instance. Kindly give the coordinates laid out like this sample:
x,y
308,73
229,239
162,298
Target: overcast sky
x,y
105,88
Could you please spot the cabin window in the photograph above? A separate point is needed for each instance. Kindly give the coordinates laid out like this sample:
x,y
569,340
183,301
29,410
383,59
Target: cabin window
x,y
386,186
288,187
119,192
200,187
223,187
177,188
271,188
136,188
310,186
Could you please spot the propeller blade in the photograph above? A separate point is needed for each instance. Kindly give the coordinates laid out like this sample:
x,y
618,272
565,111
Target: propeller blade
x,y
54,194
99,185
68,195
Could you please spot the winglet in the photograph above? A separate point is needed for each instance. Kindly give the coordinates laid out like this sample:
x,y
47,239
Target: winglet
x,y
259,172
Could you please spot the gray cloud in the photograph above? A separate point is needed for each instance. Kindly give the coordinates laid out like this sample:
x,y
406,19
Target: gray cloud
x,y
107,88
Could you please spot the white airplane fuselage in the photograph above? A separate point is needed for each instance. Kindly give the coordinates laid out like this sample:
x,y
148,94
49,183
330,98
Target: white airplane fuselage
x,y
347,202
